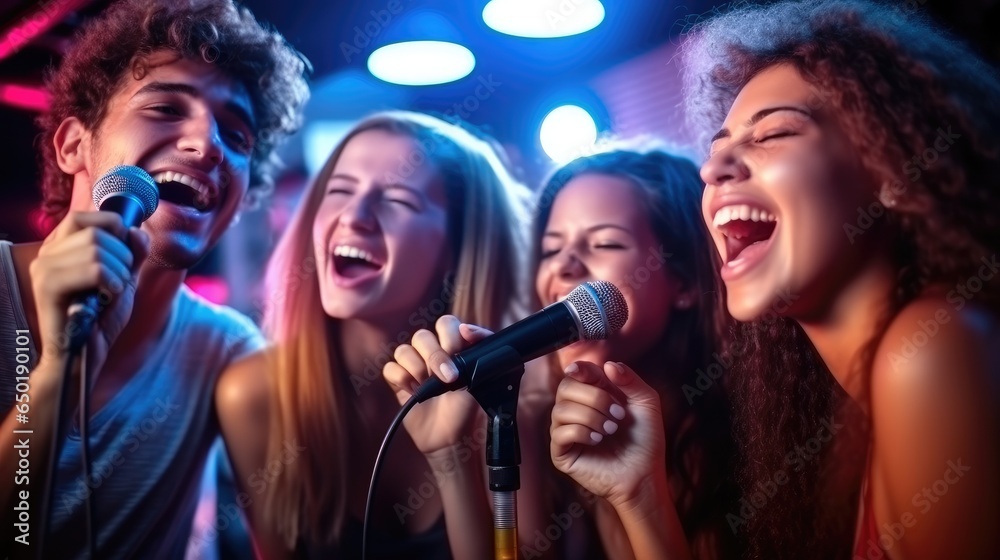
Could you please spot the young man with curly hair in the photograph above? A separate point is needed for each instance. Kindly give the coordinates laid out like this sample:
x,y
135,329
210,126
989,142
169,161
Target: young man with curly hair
x,y
198,94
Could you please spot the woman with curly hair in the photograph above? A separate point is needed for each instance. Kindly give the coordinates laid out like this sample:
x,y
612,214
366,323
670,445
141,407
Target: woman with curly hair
x,y
850,193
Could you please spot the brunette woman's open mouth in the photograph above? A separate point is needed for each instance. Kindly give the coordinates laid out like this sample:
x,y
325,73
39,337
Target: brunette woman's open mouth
x,y
748,230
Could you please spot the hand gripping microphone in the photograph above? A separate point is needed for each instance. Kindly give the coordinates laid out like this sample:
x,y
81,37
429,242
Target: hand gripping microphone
x,y
592,311
132,193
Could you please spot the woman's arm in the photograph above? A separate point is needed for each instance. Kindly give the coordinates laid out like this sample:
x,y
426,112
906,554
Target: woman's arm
x,y
459,472
441,428
935,473
539,503
607,434
242,400
648,524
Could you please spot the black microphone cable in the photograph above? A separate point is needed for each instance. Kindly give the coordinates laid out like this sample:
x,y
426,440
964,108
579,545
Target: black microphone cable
x,y
85,453
132,193
410,403
55,448
591,311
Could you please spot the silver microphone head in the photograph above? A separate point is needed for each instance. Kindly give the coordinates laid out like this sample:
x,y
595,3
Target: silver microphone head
x,y
600,307
131,181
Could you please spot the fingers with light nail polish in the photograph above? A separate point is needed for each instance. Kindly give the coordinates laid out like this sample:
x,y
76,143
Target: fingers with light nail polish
x,y
406,373
581,385
399,380
411,361
429,353
436,350
584,413
569,412
448,372
473,333
617,410
610,427
414,363
565,436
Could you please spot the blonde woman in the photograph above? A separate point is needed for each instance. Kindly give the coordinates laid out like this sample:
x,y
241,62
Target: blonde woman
x,y
409,219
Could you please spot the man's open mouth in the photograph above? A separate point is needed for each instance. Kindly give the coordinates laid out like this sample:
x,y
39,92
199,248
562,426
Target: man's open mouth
x,y
184,190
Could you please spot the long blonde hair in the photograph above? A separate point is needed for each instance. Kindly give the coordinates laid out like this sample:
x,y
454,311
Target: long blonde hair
x,y
486,211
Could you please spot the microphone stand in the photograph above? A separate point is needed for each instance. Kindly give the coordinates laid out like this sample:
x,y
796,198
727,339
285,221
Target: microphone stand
x,y
498,397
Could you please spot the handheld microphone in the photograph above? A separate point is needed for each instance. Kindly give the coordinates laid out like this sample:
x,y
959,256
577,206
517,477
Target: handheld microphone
x,y
132,193
592,311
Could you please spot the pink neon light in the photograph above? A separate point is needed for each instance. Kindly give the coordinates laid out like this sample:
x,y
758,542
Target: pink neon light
x,y
26,97
46,15
40,223
212,288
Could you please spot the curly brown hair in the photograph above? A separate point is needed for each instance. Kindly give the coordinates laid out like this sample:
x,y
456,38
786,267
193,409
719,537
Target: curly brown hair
x,y
895,82
216,31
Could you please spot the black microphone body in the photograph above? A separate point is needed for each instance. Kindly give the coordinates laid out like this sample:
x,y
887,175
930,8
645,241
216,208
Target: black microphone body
x,y
127,207
534,336
131,193
585,313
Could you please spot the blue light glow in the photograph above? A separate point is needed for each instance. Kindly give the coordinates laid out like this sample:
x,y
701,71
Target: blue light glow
x,y
567,133
421,63
543,18
320,137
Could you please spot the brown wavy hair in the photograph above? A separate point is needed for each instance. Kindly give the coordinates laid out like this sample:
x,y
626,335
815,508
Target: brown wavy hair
x,y
895,82
700,452
116,44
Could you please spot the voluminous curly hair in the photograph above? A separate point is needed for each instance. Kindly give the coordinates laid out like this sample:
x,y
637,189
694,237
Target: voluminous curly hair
x,y
113,47
895,84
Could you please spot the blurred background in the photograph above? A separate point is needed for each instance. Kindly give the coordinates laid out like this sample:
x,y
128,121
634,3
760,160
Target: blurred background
x,y
548,79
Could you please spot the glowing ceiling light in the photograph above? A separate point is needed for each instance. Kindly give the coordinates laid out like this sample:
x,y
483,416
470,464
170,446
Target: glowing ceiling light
x,y
543,18
567,133
421,63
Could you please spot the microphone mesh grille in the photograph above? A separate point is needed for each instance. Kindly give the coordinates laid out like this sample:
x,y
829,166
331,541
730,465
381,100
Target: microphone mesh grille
x,y
601,307
128,179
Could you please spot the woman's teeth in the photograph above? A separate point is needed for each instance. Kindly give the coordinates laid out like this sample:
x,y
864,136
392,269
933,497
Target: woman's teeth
x,y
354,253
743,212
